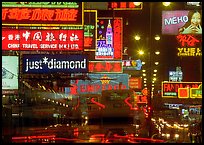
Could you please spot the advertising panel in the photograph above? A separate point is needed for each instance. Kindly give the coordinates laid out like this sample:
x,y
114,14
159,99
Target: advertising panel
x,y
181,22
42,39
42,13
90,30
178,89
105,67
54,63
9,72
98,83
132,64
108,33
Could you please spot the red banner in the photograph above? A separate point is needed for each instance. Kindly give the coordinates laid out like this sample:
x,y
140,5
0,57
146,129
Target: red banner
x,y
135,83
22,39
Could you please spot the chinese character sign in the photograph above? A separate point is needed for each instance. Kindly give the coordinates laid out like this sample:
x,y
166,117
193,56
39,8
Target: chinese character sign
x,y
41,16
98,83
69,40
190,45
108,33
105,67
181,22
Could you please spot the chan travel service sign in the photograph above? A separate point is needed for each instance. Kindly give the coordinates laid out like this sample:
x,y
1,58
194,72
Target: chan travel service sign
x,y
42,63
42,39
42,13
9,72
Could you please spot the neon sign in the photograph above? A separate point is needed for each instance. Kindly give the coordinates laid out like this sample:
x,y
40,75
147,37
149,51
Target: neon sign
x,y
14,39
124,6
189,45
109,31
132,64
41,4
98,83
43,16
90,30
177,89
105,66
135,83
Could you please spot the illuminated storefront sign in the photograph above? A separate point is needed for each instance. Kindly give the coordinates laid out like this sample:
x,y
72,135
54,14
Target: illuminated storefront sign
x,y
105,66
109,38
98,83
190,45
176,76
54,63
177,89
9,73
90,30
196,92
135,83
132,64
43,14
125,6
177,22
21,39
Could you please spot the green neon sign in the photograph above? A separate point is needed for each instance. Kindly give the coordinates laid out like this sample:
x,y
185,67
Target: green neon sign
x,y
41,4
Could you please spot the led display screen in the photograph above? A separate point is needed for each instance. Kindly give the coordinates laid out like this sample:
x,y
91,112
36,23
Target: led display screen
x,y
54,63
181,22
9,72
42,39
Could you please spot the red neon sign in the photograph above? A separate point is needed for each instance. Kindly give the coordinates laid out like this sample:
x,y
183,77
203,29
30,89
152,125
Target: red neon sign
x,y
105,66
97,103
70,40
39,16
187,40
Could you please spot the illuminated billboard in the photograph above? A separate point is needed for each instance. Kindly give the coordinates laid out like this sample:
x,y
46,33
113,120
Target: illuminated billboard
x,y
9,72
42,39
42,13
90,30
178,89
42,63
181,22
105,67
98,83
109,38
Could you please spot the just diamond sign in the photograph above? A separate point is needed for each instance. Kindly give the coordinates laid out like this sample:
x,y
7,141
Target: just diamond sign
x,y
54,63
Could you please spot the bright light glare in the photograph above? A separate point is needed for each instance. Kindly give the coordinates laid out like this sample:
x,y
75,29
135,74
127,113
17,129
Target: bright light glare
x,y
137,37
166,3
141,52
137,3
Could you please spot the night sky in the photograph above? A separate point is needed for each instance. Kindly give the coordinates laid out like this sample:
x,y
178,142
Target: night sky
x,y
139,23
